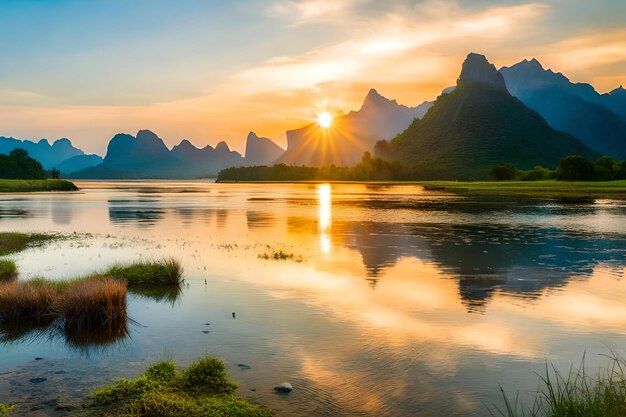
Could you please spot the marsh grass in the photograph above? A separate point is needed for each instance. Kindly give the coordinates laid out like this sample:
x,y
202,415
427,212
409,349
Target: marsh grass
x,y
12,242
167,271
203,389
8,270
96,303
19,186
5,409
25,300
575,394
279,255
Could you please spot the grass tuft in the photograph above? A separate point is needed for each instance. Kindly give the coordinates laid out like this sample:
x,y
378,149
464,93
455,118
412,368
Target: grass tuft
x,y
12,242
8,270
167,271
203,389
96,303
24,300
575,394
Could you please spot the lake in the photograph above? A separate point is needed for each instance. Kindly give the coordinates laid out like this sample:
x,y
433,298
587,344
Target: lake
x,y
391,300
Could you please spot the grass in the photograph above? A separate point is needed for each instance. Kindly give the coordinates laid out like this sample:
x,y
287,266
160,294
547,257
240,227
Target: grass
x,y
8,270
576,394
202,389
279,255
21,186
5,409
91,303
167,271
12,242
573,190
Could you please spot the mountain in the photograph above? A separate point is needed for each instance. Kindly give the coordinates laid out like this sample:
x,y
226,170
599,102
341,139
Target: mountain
x,y
616,101
574,108
350,135
48,155
261,151
78,162
476,127
146,156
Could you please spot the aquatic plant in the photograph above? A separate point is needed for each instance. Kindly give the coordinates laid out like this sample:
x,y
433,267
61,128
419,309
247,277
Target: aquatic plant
x,y
279,255
12,242
5,409
21,300
203,389
95,303
575,394
167,271
8,270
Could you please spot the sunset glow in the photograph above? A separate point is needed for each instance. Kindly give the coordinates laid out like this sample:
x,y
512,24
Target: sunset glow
x,y
324,120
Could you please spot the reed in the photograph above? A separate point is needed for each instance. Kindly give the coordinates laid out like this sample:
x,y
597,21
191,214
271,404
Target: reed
x,y
22,300
167,271
8,270
94,303
574,394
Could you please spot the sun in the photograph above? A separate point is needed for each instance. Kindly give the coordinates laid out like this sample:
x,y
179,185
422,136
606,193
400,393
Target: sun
x,y
324,119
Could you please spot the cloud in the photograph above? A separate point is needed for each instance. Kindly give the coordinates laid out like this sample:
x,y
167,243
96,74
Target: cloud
x,y
299,12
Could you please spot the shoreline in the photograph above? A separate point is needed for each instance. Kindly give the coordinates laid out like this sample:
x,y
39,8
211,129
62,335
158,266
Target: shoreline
x,y
30,186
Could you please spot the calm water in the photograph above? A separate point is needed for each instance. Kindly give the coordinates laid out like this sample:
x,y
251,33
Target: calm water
x,y
397,301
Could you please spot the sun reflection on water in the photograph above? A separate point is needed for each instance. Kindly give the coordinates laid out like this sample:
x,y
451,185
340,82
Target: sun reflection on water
x,y
325,211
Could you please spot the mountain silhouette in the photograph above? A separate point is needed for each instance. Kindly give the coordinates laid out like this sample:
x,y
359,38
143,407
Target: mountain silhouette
x,y
147,156
477,126
261,151
350,135
573,108
49,156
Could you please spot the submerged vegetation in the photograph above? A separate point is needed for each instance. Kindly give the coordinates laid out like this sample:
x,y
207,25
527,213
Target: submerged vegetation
x,y
202,389
575,394
12,242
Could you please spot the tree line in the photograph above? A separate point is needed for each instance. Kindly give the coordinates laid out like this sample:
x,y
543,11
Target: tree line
x,y
571,168
18,165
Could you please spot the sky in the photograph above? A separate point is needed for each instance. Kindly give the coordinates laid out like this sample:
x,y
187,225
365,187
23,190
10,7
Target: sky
x,y
208,71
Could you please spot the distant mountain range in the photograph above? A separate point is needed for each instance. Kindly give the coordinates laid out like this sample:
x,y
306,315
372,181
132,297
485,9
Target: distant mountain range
x,y
350,135
476,127
61,154
573,108
524,115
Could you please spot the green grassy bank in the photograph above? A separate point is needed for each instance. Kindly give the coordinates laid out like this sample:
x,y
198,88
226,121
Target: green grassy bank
x,y
24,186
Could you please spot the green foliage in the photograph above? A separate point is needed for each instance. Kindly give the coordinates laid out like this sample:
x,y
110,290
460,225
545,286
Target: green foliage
x,y
11,242
203,389
538,174
506,172
469,131
208,374
23,186
18,165
168,271
575,394
8,270
369,169
5,409
576,168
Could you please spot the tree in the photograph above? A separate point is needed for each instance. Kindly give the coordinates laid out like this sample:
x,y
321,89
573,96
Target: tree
x,y
575,168
506,172
603,169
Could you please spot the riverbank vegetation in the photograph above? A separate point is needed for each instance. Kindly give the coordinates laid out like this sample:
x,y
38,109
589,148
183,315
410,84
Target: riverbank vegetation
x,y
21,173
26,186
8,270
5,409
575,394
202,389
13,242
167,271
571,168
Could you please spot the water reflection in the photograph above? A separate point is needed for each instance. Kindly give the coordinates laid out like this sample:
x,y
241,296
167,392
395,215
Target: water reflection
x,y
325,218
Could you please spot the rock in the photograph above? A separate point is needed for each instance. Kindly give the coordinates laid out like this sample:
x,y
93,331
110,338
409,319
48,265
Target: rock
x,y
38,380
284,388
243,366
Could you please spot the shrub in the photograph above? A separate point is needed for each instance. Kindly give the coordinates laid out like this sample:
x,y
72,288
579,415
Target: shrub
x,y
575,168
505,172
